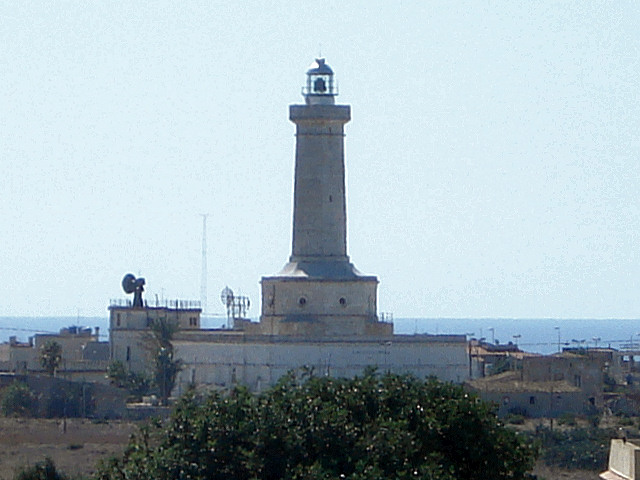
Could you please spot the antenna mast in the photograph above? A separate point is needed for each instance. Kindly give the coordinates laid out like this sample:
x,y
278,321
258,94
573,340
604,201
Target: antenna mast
x,y
203,279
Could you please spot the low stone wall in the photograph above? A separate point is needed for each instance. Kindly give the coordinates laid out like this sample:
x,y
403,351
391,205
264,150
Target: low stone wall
x,y
64,398
259,364
143,411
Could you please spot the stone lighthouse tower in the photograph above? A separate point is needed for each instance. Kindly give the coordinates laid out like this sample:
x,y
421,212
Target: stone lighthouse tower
x,y
319,293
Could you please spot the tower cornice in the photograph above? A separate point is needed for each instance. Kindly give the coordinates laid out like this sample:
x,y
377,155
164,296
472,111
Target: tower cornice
x,y
331,113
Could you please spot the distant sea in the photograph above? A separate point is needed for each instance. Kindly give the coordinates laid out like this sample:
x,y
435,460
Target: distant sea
x,y
533,334
24,327
538,335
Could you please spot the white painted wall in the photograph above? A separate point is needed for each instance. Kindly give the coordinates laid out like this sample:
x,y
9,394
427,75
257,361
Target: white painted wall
x,y
257,365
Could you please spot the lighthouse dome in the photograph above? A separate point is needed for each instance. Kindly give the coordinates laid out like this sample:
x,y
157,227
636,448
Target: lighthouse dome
x,y
318,67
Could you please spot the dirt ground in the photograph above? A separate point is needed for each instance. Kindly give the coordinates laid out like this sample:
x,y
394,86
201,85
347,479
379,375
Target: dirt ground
x,y
77,448
75,451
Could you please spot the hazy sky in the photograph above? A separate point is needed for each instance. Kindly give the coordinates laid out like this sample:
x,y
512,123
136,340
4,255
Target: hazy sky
x,y
493,159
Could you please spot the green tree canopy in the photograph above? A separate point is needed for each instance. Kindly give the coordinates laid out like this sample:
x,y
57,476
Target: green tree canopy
x,y
372,427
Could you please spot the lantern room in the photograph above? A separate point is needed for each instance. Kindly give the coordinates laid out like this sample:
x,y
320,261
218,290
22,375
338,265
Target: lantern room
x,y
320,88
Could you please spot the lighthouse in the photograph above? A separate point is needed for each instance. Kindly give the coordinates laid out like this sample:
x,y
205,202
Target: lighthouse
x,y
319,292
319,312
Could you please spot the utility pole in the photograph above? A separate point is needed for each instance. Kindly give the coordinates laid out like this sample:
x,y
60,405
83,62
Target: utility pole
x,y
203,278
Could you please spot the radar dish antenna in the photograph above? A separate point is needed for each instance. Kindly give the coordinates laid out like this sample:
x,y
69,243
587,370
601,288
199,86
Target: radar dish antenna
x,y
131,284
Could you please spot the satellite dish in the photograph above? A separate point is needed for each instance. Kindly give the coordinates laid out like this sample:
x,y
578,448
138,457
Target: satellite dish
x,y
226,296
131,284
237,306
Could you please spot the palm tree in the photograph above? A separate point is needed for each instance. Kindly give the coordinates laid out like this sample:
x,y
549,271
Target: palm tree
x,y
50,356
166,367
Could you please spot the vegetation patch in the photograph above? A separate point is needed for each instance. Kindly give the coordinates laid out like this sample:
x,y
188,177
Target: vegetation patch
x,y
45,470
18,400
372,427
514,419
568,419
575,449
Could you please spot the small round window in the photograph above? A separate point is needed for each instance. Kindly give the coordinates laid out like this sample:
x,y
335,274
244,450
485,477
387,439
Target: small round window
x,y
343,301
302,301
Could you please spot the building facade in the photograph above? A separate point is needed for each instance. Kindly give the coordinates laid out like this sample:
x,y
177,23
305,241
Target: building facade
x,y
548,386
83,356
130,335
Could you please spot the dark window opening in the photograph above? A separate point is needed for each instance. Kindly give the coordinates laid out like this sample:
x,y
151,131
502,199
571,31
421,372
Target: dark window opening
x,y
128,353
302,301
532,400
319,85
343,301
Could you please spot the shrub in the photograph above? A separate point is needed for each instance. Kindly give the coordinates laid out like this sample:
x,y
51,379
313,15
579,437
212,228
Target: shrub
x,y
580,448
63,401
138,384
514,419
594,420
625,421
41,471
18,400
568,419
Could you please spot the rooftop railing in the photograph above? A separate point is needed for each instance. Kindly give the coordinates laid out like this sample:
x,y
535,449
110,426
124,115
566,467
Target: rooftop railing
x,y
157,303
